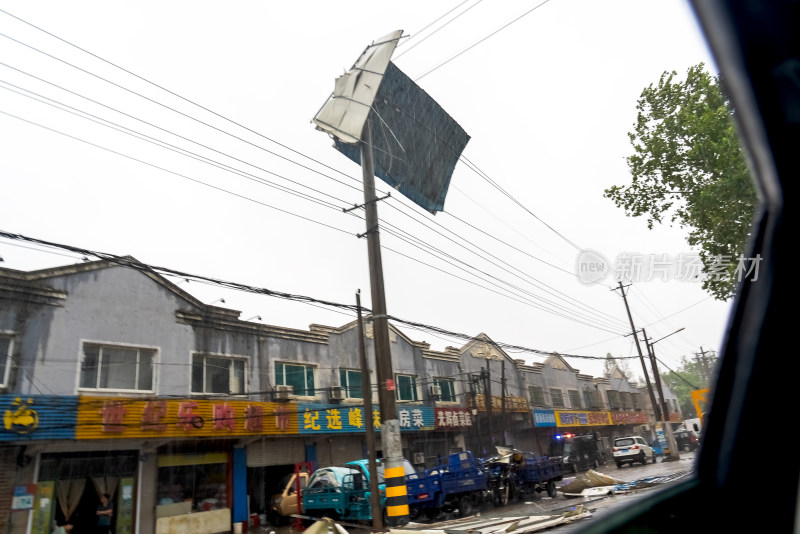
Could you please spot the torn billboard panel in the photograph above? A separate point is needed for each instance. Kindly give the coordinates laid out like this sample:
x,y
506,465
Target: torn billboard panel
x,y
345,113
415,143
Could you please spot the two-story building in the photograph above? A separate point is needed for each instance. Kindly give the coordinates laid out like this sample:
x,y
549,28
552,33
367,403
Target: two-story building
x,y
115,380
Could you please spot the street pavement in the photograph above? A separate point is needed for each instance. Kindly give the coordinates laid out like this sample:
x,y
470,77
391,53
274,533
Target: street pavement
x,y
662,472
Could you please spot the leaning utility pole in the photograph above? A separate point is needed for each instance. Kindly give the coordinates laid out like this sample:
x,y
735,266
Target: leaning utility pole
x,y
639,348
375,91
369,427
474,396
487,400
503,399
674,454
705,366
394,472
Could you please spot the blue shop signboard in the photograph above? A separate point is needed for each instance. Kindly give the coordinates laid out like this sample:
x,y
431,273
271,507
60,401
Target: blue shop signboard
x,y
544,418
27,417
327,418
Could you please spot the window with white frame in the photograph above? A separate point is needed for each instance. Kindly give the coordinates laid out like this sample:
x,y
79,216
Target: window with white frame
x,y
447,387
116,367
218,374
537,395
350,380
6,348
299,376
406,387
557,397
574,399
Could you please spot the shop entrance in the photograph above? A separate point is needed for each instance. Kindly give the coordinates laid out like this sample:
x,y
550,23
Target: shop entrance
x,y
78,480
263,483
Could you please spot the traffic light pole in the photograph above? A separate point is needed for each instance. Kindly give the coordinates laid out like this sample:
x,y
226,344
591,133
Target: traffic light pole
x,y
394,472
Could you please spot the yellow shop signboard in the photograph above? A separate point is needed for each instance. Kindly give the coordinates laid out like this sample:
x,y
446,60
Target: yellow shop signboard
x,y
121,417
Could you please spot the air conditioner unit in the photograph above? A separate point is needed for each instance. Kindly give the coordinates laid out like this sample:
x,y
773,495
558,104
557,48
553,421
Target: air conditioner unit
x,y
337,393
419,458
284,392
436,391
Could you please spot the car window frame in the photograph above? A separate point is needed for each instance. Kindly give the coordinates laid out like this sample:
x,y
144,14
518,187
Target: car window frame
x,y
758,56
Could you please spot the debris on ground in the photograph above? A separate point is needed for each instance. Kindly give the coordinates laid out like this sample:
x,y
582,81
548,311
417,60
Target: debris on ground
x,y
589,480
594,484
504,525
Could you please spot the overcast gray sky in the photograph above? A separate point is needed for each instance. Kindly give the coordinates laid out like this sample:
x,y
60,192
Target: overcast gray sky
x,y
546,93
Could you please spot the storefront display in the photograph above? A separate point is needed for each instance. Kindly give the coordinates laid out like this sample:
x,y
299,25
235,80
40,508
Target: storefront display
x,y
190,483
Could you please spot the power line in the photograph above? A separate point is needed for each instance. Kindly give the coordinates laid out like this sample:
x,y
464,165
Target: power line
x,y
241,173
238,195
85,71
470,47
127,261
522,274
415,119
165,90
511,197
177,96
164,169
678,375
253,200
437,30
163,144
535,305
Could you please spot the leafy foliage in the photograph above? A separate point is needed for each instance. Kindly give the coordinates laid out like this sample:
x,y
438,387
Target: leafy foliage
x,y
688,168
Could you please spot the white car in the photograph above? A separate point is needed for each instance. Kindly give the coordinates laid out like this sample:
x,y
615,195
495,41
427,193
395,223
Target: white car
x,y
631,449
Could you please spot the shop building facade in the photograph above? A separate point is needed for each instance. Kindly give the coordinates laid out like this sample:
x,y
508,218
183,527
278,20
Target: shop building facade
x,y
117,381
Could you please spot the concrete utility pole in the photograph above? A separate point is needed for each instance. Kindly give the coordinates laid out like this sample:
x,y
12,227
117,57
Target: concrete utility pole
x,y
394,472
674,454
639,348
503,399
487,400
474,395
369,428
705,366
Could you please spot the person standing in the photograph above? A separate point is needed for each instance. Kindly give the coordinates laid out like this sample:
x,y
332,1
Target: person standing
x,y
105,511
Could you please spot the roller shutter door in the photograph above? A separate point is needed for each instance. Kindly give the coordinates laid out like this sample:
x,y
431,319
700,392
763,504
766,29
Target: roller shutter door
x,y
275,452
339,450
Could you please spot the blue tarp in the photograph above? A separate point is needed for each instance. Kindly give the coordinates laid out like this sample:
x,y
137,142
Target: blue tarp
x,y
416,144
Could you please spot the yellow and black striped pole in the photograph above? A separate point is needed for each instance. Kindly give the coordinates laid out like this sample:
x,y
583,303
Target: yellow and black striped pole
x,y
394,474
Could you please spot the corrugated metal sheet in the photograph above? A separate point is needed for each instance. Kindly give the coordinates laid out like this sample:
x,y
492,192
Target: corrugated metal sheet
x,y
27,417
120,417
345,113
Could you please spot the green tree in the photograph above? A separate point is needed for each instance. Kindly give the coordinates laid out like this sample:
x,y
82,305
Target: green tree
x,y
688,168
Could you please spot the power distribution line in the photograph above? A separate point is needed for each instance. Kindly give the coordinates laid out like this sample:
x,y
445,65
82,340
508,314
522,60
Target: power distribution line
x,y
127,261
470,47
185,115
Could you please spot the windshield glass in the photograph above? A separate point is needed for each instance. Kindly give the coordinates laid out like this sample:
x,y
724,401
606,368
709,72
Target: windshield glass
x,y
558,225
